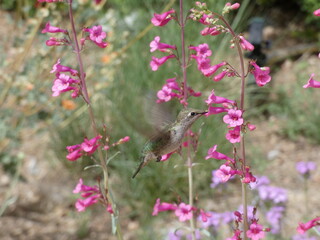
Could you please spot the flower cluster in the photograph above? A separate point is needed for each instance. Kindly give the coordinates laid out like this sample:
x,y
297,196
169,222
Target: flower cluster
x,y
90,195
183,211
87,147
172,89
202,55
305,168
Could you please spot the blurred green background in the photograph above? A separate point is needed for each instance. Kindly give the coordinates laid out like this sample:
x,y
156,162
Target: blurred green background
x,y
121,82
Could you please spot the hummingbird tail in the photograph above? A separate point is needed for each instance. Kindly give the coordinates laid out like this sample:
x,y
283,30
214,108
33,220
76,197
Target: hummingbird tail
x,y
138,170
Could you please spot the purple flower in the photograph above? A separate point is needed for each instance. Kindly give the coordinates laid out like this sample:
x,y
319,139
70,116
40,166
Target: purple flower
x,y
274,194
274,217
303,237
304,168
260,181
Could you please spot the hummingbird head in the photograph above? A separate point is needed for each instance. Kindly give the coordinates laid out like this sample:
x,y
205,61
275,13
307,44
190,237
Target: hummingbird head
x,y
188,116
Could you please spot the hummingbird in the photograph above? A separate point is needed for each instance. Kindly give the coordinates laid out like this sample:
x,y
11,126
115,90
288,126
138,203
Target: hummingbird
x,y
170,138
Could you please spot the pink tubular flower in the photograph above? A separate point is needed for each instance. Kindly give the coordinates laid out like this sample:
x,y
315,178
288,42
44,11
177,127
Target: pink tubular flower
x,y
224,173
256,231
312,83
220,76
157,62
212,153
161,207
233,6
57,67
212,31
216,99
159,20
216,110
251,127
212,69
184,212
245,44
303,227
74,152
91,195
247,176
64,83
233,118
234,135
261,74
157,45
51,29
317,12
96,35
202,50
204,215
90,145
236,236
54,42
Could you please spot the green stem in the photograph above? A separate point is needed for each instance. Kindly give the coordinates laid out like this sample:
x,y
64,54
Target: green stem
x,y
86,97
185,96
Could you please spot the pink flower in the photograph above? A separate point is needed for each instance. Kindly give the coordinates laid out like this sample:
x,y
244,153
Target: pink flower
x,y
166,156
184,212
90,145
202,50
236,236
317,12
74,154
157,45
161,207
165,94
220,76
255,231
205,19
54,42
212,153
162,19
234,135
216,110
247,176
303,227
91,195
51,29
204,215
157,62
216,99
224,173
212,31
96,35
233,6
233,118
251,127
63,83
57,67
261,74
312,83
245,44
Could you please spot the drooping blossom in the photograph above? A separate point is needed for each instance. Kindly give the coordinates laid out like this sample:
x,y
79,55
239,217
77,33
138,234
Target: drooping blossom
x,y
303,227
234,135
184,212
248,176
212,153
255,231
157,62
246,45
317,12
216,110
312,83
58,68
56,41
51,29
155,44
304,168
233,118
216,181
261,74
162,19
90,195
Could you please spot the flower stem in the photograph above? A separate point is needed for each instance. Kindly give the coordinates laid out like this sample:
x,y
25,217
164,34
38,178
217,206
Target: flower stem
x,y
242,143
185,96
86,98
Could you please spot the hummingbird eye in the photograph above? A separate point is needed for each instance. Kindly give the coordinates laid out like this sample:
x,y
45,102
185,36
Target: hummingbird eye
x,y
192,114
